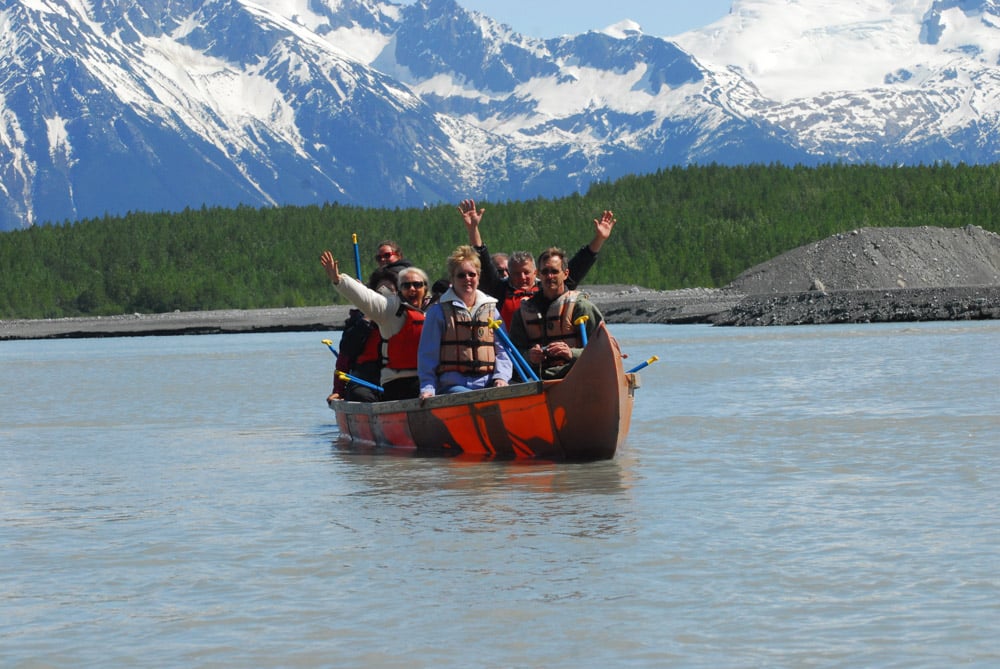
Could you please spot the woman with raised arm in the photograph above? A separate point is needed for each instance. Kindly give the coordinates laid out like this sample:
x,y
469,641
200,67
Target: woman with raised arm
x,y
400,319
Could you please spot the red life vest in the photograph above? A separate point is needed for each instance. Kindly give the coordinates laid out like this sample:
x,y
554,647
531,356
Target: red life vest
x,y
372,350
512,301
400,351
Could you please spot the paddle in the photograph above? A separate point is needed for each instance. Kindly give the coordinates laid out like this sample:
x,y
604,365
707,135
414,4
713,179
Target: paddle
x,y
643,365
582,322
329,345
357,256
344,376
523,368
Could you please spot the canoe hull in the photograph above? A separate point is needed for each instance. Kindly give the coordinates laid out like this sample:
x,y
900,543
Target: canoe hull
x,y
585,416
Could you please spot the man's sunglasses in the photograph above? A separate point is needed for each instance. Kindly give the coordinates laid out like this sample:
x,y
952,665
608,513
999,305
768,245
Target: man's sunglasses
x,y
406,285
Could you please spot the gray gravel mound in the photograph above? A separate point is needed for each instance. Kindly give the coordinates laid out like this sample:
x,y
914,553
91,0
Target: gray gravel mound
x,y
881,258
874,275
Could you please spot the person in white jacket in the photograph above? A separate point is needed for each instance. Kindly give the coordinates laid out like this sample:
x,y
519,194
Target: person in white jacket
x,y
400,319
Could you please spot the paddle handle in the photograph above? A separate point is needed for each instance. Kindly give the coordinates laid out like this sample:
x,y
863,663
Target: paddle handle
x,y
357,255
643,365
523,368
329,345
344,376
582,322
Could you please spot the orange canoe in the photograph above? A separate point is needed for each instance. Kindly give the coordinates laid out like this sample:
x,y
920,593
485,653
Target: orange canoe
x,y
584,416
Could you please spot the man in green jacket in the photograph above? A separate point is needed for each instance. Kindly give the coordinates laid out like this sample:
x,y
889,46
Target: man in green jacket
x,y
546,329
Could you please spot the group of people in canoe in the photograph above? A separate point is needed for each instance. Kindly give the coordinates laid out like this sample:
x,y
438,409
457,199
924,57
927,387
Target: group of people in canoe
x,y
480,327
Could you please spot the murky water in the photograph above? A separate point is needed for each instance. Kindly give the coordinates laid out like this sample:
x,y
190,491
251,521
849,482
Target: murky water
x,y
815,496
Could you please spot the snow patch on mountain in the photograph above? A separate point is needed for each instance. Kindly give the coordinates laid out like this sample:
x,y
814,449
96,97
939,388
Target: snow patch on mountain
x,y
623,29
802,48
60,148
299,12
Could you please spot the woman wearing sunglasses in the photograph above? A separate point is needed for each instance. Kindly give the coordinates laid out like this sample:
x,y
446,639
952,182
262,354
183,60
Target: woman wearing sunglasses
x,y
458,351
400,319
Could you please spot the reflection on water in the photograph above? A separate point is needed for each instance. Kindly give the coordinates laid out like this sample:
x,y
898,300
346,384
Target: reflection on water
x,y
579,500
404,472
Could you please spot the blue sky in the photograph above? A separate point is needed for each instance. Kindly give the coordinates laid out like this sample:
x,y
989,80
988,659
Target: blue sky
x,y
551,18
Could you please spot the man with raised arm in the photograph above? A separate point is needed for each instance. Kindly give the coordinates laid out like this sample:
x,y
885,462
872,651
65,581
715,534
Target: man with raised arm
x,y
522,281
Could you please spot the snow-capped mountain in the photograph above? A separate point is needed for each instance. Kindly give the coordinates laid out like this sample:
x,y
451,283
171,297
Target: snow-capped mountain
x,y
885,81
109,106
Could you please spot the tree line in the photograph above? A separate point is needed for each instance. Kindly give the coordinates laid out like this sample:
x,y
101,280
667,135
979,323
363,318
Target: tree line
x,y
682,227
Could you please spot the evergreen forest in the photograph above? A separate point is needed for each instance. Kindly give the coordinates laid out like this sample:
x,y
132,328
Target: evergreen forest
x,y
683,227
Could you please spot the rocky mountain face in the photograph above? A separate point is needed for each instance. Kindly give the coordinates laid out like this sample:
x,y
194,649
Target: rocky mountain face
x,y
125,105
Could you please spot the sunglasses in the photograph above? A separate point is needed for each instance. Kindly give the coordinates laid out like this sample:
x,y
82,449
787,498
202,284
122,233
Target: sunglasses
x,y
406,285
548,271
466,275
384,256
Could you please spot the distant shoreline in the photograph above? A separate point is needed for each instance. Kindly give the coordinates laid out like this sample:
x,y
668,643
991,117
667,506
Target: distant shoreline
x,y
619,304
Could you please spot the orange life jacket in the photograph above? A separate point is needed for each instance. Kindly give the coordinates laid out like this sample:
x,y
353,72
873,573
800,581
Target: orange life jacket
x,y
467,342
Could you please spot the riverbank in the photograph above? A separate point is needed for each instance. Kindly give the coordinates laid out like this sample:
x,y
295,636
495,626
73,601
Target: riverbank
x,y
902,305
868,275
813,307
179,323
619,304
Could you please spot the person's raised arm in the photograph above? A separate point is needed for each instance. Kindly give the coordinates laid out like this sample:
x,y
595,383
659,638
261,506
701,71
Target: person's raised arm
x,y
471,218
489,278
602,230
584,259
376,306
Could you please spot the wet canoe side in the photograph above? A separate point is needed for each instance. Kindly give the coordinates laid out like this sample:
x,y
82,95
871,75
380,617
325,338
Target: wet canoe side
x,y
585,416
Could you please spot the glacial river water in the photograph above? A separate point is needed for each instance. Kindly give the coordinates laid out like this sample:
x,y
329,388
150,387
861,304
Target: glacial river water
x,y
788,497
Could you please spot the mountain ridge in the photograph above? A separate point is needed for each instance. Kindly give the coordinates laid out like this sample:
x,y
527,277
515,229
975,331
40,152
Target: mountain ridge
x,y
165,104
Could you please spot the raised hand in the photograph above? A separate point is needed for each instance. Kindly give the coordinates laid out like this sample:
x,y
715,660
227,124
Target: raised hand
x,y
329,263
471,217
602,230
